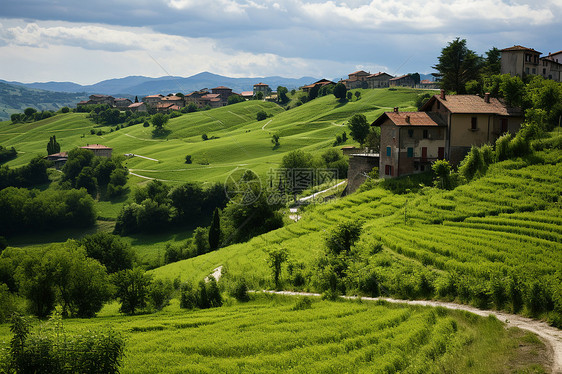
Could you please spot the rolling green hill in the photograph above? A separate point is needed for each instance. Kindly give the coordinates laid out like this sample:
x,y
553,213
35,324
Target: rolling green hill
x,y
241,140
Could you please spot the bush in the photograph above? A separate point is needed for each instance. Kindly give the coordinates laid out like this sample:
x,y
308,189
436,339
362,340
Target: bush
x,y
302,303
240,291
160,293
207,295
188,159
261,115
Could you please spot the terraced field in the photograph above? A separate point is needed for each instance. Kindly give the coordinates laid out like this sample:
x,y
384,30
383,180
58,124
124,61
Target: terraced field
x,y
284,334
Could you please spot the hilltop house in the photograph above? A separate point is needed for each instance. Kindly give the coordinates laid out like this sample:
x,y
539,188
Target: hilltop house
x,y
122,103
97,100
99,150
521,61
378,80
263,88
446,127
402,81
152,100
321,83
137,107
357,79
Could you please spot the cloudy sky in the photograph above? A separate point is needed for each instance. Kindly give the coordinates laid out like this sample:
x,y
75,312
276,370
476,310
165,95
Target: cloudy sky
x,y
89,41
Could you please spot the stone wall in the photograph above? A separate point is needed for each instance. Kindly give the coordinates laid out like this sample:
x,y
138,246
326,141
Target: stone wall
x,y
359,165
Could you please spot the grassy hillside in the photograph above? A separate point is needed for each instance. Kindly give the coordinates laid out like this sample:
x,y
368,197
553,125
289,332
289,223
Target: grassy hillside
x,y
476,244
242,141
274,334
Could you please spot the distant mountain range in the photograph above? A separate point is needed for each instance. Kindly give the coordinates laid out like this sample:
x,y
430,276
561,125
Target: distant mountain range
x,y
142,86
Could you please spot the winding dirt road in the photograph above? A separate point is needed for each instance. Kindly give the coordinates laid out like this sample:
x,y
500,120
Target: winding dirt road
x,y
550,335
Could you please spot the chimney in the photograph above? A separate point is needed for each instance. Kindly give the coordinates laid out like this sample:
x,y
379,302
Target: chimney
x,y
408,119
487,97
442,96
395,109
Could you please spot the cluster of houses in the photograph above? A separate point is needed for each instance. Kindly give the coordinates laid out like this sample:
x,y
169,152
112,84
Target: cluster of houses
x,y
447,126
60,158
214,98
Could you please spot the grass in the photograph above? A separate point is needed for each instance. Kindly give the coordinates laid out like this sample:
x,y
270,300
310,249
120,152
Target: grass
x,y
271,334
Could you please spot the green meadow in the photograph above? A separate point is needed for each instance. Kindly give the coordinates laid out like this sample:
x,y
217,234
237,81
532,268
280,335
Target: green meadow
x,y
274,333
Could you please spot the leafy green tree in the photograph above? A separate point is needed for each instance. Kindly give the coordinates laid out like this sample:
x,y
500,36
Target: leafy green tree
x,y
492,62
442,171
53,146
349,95
190,108
30,112
159,120
297,159
159,293
313,92
215,231
234,99
87,180
275,259
343,237
275,140
109,250
132,287
258,96
261,115
340,91
359,128
416,77
512,89
457,65
282,94
357,95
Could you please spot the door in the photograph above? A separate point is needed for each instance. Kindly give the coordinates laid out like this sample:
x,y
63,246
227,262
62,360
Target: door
x,y
503,123
424,153
441,153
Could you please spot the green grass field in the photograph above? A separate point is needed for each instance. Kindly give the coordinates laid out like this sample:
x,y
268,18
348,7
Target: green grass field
x,y
269,334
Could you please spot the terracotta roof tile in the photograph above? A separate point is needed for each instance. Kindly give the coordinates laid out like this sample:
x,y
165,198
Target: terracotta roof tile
x,y
411,119
134,105
519,48
475,104
360,72
221,88
261,84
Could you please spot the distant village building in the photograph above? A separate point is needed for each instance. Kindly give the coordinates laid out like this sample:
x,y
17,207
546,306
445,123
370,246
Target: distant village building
x,y
102,99
248,95
195,97
321,83
58,159
223,92
137,107
152,100
357,79
446,127
402,81
122,103
426,84
99,150
519,61
263,88
378,80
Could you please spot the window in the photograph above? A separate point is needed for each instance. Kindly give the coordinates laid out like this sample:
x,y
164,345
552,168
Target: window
x,y
526,70
438,105
473,123
534,71
543,71
410,133
410,152
425,134
388,151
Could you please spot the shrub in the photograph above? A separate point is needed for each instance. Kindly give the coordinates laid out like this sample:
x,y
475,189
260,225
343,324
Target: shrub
x,y
261,115
159,293
188,159
302,303
204,137
240,291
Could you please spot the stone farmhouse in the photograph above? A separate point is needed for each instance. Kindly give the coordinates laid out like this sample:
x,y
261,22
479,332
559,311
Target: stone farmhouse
x,y
446,127
522,61
99,150
402,81
321,83
263,88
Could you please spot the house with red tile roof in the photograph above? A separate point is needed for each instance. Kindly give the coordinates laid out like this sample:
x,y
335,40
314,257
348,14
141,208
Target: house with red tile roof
x,y
263,88
446,127
402,81
321,83
137,107
378,80
152,100
122,103
356,79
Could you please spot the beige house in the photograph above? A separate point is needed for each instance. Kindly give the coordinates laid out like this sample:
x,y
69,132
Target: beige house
x,y
446,127
99,150
357,79
402,81
152,100
137,107
122,103
521,61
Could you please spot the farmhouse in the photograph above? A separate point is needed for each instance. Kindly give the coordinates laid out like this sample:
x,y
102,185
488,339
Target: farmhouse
x,y
378,80
446,127
357,79
99,150
321,83
263,88
58,159
402,81
152,100
137,107
122,103
521,61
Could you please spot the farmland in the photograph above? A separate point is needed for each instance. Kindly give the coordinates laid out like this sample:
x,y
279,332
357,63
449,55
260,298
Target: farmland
x,y
284,334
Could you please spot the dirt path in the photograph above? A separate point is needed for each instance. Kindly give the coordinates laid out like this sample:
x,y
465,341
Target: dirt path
x,y
293,212
268,122
217,273
550,335
147,158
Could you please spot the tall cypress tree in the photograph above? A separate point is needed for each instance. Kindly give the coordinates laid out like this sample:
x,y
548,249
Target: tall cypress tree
x,y
215,231
53,146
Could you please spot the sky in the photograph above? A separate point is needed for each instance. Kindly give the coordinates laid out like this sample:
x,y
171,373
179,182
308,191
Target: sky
x,y
89,41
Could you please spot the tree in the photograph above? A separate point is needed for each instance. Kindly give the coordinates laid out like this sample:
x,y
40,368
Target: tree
x,y
416,77
275,259
233,99
30,112
492,62
340,92
259,96
442,171
275,140
357,95
188,159
313,92
109,250
132,286
359,128
349,95
87,180
136,99
343,237
159,120
261,115
457,65
215,231
282,94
